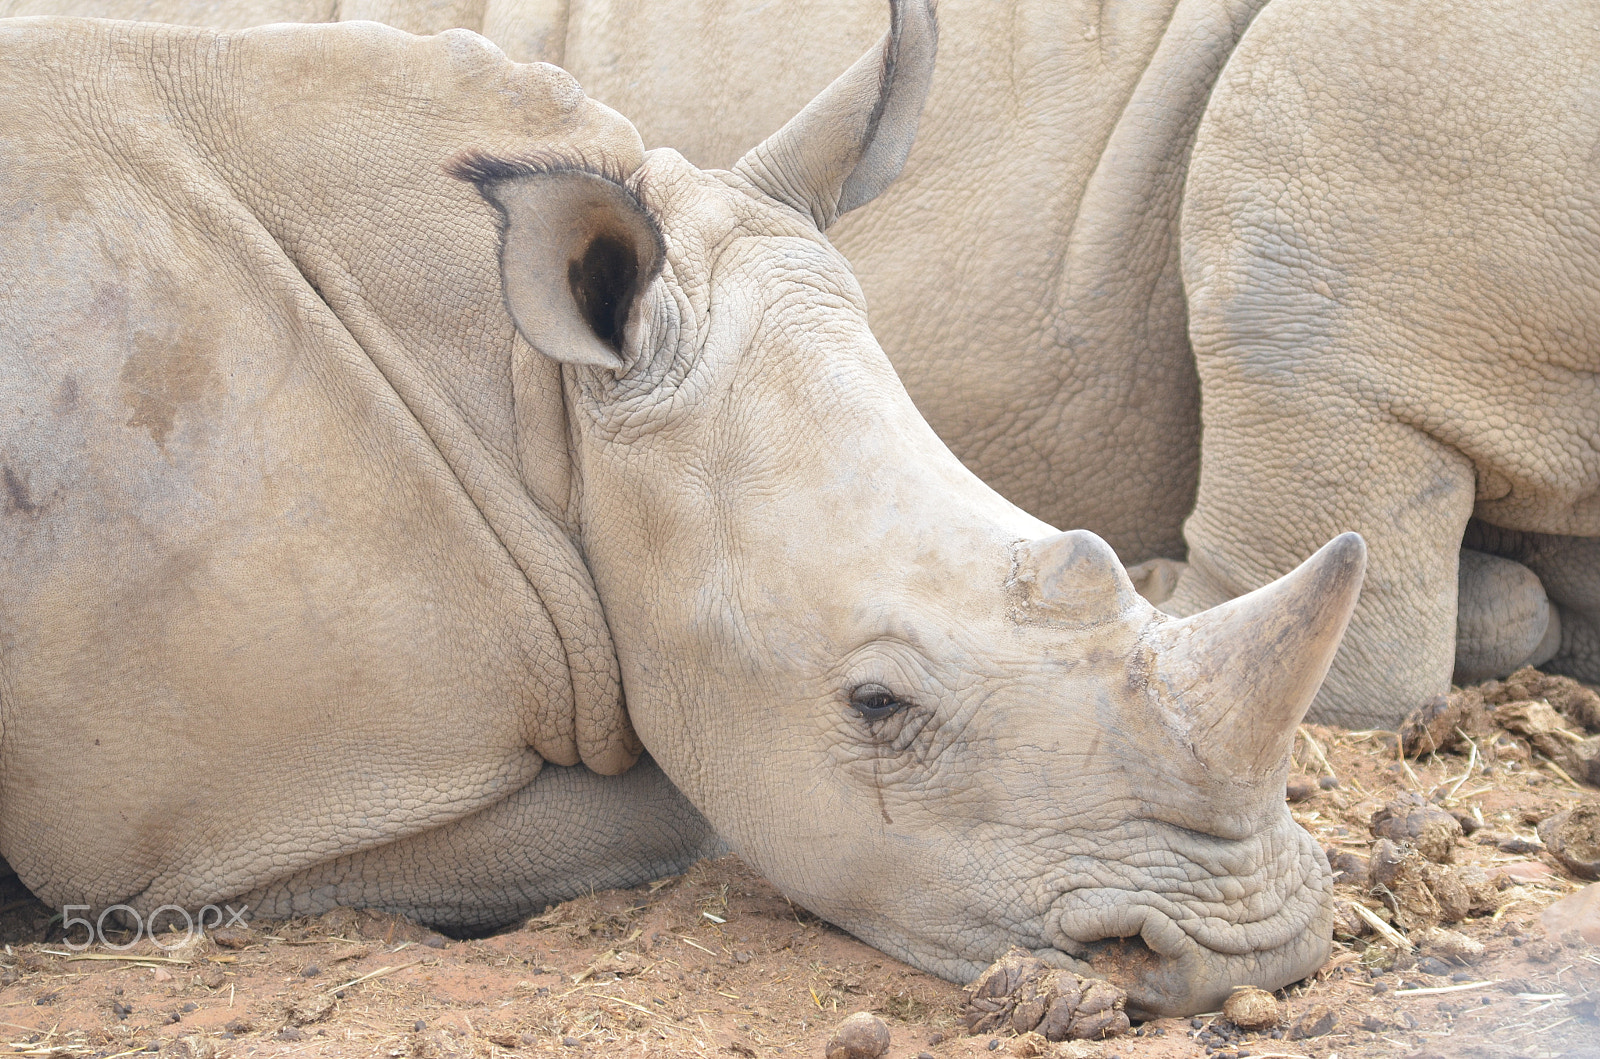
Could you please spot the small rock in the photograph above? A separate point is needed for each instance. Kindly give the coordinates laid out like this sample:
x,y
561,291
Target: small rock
x,y
1576,912
1252,1009
1449,943
418,1026
1300,790
569,1042
1029,1045
1315,1022
231,937
861,1036
1584,760
309,1009
1518,871
1348,867
1469,823
211,976
1518,845
1573,837
1432,965
195,1047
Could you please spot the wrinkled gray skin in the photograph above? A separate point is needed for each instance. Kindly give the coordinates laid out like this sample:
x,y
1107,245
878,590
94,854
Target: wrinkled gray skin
x,y
1023,272
1390,253
296,590
1025,276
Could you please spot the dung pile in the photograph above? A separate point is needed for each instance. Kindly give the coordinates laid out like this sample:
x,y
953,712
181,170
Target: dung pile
x,y
1021,994
1529,713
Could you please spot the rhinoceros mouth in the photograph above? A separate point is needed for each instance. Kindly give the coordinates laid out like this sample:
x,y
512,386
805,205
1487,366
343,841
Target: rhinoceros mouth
x,y
1180,964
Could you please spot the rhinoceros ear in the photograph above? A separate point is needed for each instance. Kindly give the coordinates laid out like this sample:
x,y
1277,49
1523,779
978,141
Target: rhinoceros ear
x,y
849,143
577,252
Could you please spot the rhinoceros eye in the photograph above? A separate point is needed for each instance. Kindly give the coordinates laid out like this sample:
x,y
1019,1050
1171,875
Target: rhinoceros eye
x,y
874,701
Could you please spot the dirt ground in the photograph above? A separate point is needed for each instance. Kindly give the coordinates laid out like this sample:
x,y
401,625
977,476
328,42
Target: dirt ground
x,y
718,963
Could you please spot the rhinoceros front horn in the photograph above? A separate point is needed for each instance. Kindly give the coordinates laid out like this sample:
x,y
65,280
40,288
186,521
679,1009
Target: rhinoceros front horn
x,y
1244,673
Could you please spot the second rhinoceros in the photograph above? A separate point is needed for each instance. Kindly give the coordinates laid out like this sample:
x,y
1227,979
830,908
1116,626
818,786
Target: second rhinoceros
x,y
382,418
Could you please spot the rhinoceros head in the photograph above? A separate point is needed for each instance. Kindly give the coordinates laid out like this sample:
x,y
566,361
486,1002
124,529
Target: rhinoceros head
x,y
922,713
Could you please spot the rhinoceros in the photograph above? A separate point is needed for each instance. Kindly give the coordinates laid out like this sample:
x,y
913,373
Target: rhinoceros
x,y
397,450
1025,276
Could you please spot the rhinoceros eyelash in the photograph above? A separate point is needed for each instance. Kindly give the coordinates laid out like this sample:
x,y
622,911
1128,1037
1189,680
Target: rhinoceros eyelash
x,y
874,702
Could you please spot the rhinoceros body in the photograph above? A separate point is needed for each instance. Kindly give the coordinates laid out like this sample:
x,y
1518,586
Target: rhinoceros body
x,y
397,449
267,434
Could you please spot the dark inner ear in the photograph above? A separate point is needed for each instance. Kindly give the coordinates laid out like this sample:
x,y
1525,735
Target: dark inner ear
x,y
603,283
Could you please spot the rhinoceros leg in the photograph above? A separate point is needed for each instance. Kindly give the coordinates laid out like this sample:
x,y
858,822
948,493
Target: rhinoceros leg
x,y
1504,619
1571,572
1568,568
1281,472
568,832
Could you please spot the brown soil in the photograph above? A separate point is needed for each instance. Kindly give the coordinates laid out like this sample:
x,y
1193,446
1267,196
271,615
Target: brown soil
x,y
717,963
